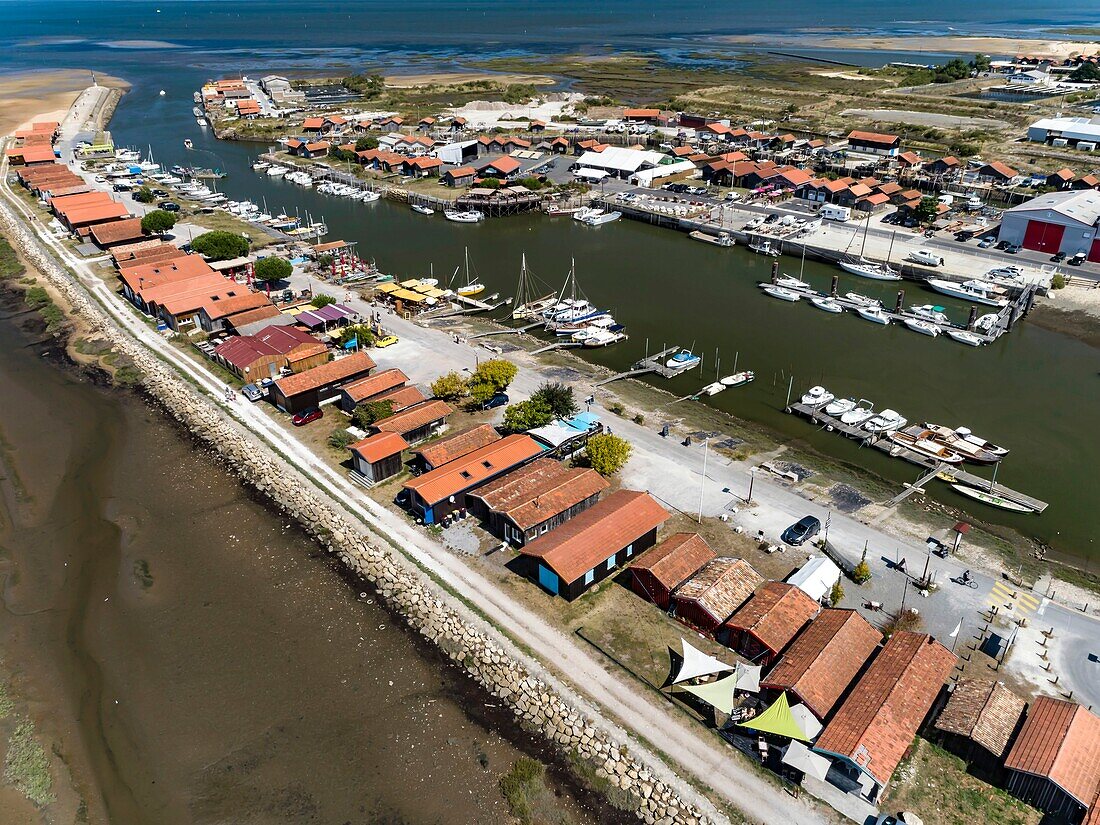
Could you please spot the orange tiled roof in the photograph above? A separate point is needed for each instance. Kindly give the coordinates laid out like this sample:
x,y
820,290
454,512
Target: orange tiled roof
x,y
458,444
775,614
1060,741
676,558
473,468
378,446
325,374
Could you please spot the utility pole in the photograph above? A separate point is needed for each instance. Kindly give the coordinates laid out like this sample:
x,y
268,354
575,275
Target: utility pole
x,y
703,479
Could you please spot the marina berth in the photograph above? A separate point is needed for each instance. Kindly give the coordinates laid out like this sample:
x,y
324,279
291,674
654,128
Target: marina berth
x,y
978,292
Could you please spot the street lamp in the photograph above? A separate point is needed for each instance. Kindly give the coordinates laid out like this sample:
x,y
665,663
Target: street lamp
x,y
752,478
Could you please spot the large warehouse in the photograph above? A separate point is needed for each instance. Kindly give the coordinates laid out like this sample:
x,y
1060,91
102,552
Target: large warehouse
x,y
1056,222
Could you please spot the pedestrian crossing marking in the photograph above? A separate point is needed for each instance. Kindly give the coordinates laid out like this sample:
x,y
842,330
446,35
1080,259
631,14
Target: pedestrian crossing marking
x,y
1004,597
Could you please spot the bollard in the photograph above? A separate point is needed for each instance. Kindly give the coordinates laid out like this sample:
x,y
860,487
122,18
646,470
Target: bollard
x,y
900,302
973,317
775,271
836,284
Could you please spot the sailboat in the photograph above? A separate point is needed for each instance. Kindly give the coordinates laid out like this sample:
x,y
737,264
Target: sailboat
x,y
869,269
528,303
569,309
473,286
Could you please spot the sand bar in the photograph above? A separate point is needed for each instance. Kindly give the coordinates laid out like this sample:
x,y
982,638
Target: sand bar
x,y
30,96
936,44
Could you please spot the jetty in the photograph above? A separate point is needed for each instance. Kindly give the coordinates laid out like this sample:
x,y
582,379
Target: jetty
x,y
818,416
651,364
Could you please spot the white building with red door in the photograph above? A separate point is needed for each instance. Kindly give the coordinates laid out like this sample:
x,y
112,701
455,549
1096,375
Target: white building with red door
x,y
1056,222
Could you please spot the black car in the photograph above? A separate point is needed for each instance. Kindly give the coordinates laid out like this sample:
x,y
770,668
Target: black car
x,y
1058,257
498,400
964,236
1003,244
168,206
160,193
1012,248
772,218
801,531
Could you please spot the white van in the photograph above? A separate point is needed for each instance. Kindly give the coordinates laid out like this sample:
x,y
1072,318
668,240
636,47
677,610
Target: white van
x,y
832,212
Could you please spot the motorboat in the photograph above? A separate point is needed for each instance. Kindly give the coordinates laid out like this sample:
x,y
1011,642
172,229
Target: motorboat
x,y
970,451
928,312
601,321
987,323
965,434
188,143
876,315
791,282
367,196
581,215
991,499
862,300
683,360
739,378
925,257
869,269
604,338
817,396
859,414
923,327
764,248
468,216
886,421
420,209
826,303
721,239
201,121
782,293
600,217
713,389
964,337
979,292
276,171
839,406
921,441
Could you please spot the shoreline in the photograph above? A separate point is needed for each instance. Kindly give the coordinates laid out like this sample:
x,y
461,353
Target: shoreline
x,y
937,44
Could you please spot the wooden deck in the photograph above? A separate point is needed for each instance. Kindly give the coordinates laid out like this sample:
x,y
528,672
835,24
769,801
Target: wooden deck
x,y
961,475
651,364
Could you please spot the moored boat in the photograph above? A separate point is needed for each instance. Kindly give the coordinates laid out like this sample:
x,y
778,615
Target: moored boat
x,y
599,217
859,414
922,442
683,360
817,396
869,269
714,389
876,315
739,378
764,248
964,337
782,293
979,292
826,304
422,209
991,499
885,421
721,239
839,406
923,327
468,216
965,434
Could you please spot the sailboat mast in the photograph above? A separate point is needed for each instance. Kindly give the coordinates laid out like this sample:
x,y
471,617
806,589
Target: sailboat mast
x,y
866,226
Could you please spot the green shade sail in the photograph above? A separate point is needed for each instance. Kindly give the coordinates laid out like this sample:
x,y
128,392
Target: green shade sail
x,y
716,694
778,720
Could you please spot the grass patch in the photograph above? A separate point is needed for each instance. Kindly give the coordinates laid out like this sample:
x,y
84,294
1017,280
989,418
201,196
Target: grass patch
x,y
26,766
935,785
7,704
10,267
142,574
529,798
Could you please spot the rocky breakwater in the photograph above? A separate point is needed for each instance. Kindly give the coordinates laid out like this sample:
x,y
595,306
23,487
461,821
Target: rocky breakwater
x,y
535,697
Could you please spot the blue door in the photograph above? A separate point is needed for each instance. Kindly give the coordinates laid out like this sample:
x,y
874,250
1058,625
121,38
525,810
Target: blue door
x,y
548,579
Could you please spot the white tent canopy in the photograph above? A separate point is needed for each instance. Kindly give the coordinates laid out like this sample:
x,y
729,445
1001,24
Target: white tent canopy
x,y
697,663
806,720
816,577
801,758
748,678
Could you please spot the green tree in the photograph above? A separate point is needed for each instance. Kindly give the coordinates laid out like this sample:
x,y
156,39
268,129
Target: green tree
x,y
607,453
981,63
368,85
836,594
491,377
861,574
490,183
361,333
926,210
531,182
272,270
366,142
322,301
144,195
954,69
450,387
220,245
324,261
527,415
366,414
157,222
1086,72
558,397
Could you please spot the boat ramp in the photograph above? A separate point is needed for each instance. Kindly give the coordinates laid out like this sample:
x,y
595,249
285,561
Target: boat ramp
x,y
818,416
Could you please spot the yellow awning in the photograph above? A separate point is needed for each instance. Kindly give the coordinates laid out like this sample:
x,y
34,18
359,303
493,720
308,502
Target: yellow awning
x,y
387,288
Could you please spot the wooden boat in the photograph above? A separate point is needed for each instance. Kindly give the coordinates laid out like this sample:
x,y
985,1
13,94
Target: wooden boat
x,y
991,499
922,442
968,450
965,434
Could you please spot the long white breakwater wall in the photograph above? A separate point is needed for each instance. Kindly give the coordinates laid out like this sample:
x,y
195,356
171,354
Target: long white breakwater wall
x,y
491,660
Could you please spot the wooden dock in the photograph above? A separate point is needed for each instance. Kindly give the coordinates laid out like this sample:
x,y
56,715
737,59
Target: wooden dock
x,y
509,331
818,416
651,364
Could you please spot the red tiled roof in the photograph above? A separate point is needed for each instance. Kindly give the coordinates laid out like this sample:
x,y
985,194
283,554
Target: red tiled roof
x,y
775,614
675,559
540,490
238,303
824,659
859,190
982,710
401,398
458,444
911,158
414,417
473,468
641,112
1064,174
461,172
720,587
243,350
329,373
313,123
505,166
371,386
96,213
877,722
605,528
378,446
874,137
877,199
116,231
1060,741
1001,169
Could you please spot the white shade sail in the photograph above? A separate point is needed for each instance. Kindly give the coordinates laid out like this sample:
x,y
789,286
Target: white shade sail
x,y
697,663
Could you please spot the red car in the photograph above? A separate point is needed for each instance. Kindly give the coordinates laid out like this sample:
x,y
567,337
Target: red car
x,y
306,416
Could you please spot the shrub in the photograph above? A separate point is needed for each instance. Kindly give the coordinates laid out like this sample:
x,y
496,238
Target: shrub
x,y
558,397
340,439
862,573
606,453
272,269
220,245
616,408
367,414
144,195
157,222
1058,281
322,301
527,415
449,387
836,594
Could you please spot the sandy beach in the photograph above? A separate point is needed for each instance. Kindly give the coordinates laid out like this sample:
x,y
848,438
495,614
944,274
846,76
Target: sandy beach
x,y
31,96
935,44
408,81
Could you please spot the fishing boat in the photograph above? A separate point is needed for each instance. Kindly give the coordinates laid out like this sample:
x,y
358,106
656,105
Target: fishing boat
x,y
599,217
923,327
859,414
188,143
780,292
885,421
764,248
721,239
739,378
422,210
964,337
991,499
965,434
839,406
928,312
967,449
869,269
684,359
817,396
367,196
979,292
876,315
532,297
921,441
467,216
826,303
713,389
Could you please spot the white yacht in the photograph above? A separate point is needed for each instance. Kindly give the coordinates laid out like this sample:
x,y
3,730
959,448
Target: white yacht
x,y
469,216
886,421
923,327
780,292
276,171
869,269
600,217
979,292
739,378
840,406
422,210
929,312
964,337
859,414
817,396
826,303
876,315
